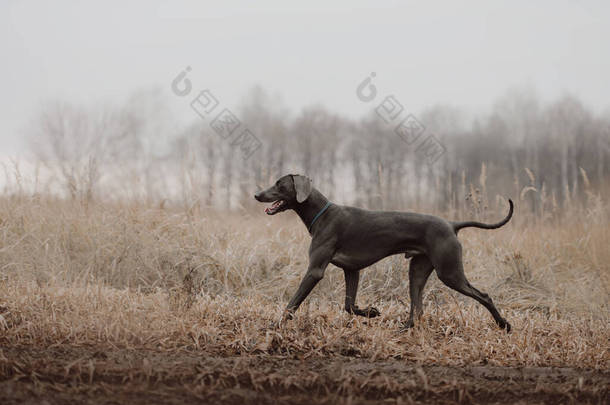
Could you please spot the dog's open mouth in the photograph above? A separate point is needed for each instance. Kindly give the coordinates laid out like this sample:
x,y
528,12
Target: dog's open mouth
x,y
275,207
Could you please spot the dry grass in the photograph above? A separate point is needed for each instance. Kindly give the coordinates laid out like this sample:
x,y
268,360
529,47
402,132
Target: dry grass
x,y
117,277
454,333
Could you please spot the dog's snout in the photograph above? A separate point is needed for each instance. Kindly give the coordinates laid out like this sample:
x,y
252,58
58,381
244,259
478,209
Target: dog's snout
x,y
257,195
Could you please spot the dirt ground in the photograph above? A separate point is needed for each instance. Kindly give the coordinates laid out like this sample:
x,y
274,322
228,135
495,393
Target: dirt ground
x,y
66,374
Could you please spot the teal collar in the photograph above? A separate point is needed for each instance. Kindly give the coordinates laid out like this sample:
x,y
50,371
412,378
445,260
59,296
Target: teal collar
x,y
328,204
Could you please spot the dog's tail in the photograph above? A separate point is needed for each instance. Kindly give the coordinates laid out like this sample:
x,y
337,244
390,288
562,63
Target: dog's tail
x,y
459,225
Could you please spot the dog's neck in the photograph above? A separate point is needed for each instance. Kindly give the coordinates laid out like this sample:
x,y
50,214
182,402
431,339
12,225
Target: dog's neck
x,y
308,209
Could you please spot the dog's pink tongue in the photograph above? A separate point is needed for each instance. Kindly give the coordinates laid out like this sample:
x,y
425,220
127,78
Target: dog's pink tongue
x,y
267,210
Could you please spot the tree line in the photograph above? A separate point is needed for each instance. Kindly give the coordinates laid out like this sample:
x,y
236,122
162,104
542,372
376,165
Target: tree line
x,y
542,153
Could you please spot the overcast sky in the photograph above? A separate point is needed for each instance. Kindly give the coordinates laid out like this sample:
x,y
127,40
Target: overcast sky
x,y
465,54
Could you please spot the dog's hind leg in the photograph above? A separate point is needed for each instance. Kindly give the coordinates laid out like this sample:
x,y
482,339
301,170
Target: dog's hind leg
x,y
352,277
419,271
464,287
451,272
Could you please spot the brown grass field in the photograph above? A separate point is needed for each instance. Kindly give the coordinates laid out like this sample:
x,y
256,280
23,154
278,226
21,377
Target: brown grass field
x,y
128,303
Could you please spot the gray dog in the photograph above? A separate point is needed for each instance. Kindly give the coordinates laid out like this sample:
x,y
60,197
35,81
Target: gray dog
x,y
354,238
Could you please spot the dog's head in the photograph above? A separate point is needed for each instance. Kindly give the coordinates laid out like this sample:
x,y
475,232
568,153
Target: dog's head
x,y
286,193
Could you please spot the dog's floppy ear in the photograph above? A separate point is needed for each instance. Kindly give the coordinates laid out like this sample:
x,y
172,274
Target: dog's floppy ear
x,y
302,185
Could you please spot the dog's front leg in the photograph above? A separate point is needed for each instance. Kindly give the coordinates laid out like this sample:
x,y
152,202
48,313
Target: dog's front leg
x,y
319,257
352,278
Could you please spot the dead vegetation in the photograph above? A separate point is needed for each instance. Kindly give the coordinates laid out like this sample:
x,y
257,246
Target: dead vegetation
x,y
99,298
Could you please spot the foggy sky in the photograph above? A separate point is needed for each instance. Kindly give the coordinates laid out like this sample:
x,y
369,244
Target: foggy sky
x,y
464,54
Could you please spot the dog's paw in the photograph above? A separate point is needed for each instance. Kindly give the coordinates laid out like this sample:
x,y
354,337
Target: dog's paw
x,y
407,325
371,312
286,316
503,324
